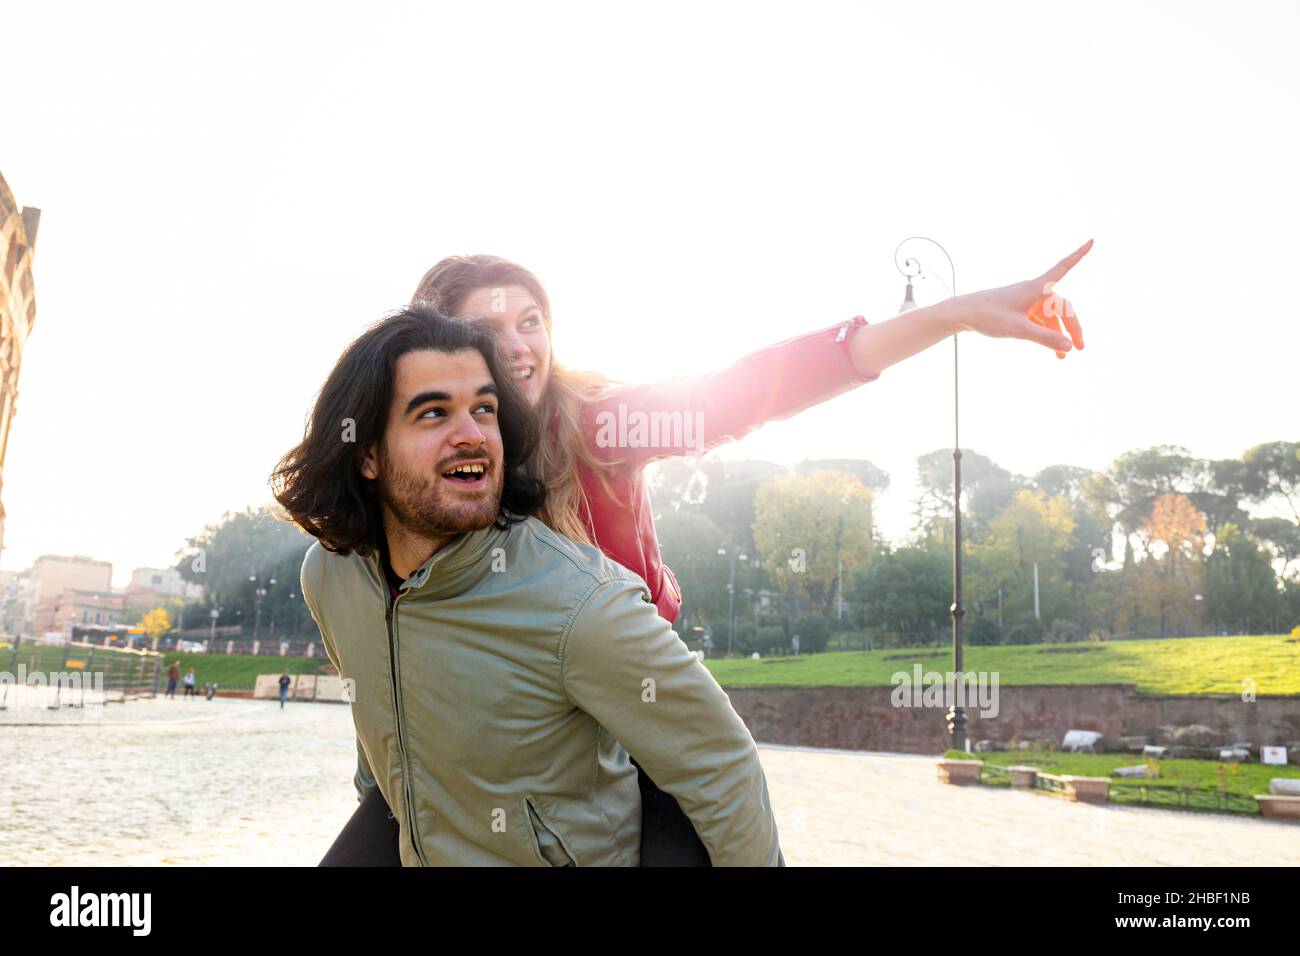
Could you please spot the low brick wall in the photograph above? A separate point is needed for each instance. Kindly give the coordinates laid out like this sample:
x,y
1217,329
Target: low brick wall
x,y
863,718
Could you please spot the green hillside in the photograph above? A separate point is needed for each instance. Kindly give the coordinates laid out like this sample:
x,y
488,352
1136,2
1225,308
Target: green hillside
x,y
1192,665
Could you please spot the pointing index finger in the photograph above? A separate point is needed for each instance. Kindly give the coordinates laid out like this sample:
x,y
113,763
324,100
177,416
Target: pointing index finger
x,y
1057,271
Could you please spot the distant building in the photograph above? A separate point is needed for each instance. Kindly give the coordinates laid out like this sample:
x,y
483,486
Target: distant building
x,y
13,600
74,606
154,587
18,226
51,575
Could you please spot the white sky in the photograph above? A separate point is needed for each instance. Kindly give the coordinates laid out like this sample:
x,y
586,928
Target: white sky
x,y
230,196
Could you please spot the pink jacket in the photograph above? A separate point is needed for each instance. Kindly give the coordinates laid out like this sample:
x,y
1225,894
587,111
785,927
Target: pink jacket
x,y
640,423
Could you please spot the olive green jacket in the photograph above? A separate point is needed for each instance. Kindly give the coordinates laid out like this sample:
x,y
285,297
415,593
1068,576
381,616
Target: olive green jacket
x,y
494,696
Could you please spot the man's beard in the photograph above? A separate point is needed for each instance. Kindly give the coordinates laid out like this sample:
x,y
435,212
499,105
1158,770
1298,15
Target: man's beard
x,y
420,504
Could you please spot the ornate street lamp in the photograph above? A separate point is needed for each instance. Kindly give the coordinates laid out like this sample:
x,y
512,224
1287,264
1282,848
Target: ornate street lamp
x,y
911,269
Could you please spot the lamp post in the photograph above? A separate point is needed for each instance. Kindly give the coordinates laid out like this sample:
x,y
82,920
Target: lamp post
x,y
260,592
731,588
911,269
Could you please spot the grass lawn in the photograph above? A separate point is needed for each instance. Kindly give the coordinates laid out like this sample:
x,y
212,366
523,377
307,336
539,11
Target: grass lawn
x,y
1188,665
232,671
1244,779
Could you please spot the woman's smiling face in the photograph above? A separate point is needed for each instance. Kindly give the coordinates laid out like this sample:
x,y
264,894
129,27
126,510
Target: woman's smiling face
x,y
516,319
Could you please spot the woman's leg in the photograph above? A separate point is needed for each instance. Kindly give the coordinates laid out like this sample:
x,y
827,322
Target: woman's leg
x,y
370,837
668,837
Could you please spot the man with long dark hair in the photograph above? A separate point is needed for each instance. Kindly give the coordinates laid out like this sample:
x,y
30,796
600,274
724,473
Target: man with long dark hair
x,y
496,668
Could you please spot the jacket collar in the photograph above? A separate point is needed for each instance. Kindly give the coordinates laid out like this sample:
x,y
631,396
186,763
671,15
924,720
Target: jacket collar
x,y
455,568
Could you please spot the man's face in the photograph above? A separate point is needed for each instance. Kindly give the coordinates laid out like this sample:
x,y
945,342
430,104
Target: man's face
x,y
439,466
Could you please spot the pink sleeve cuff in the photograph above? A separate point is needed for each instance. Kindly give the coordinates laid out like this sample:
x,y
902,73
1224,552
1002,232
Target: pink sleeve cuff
x,y
843,337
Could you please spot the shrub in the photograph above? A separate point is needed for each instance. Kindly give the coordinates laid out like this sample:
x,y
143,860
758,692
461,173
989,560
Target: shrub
x,y
848,640
1025,631
742,642
813,631
982,630
1065,629
769,638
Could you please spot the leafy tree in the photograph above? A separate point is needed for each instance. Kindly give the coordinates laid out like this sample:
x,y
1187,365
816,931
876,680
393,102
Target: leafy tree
x,y
1176,524
1032,529
689,545
1126,492
869,474
813,631
1087,555
805,526
1241,592
730,501
904,594
1272,473
239,554
156,623
1064,480
986,488
1283,536
722,491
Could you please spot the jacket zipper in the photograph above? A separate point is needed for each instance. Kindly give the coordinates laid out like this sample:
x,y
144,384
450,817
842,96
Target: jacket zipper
x,y
401,746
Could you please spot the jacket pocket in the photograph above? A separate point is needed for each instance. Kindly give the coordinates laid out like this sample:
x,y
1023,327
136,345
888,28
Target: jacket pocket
x,y
546,840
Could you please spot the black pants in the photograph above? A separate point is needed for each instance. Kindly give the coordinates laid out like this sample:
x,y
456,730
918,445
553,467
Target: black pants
x,y
370,837
668,837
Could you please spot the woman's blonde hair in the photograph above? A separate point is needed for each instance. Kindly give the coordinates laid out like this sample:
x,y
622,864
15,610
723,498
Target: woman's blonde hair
x,y
563,454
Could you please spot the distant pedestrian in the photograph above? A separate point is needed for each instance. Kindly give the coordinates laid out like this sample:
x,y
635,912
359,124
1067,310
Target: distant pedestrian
x,y
210,690
285,681
190,690
173,675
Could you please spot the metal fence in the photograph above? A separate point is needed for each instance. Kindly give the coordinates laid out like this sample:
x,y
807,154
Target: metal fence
x,y
264,648
1138,794
1181,798
72,669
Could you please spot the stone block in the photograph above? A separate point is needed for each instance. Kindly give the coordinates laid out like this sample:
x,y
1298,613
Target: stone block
x,y
960,771
1026,777
1090,789
1279,807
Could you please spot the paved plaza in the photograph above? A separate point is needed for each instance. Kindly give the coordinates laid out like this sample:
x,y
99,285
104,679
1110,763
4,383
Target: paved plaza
x,y
240,782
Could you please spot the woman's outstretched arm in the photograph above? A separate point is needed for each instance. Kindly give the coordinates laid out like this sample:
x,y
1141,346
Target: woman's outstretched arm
x,y
1028,310
636,424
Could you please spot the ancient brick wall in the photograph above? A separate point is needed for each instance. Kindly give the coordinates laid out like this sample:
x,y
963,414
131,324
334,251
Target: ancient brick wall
x,y
863,718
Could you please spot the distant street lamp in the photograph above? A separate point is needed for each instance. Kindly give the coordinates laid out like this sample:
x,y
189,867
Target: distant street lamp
x,y
260,592
731,588
911,269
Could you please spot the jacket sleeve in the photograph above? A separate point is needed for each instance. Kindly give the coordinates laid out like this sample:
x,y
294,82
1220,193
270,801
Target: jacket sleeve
x,y
768,385
364,779
625,666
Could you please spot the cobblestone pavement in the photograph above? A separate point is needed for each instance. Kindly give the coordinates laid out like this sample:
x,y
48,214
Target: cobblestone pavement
x,y
836,808
238,782
182,781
